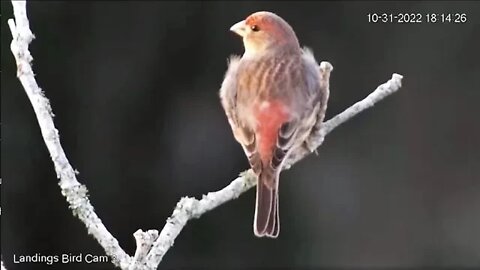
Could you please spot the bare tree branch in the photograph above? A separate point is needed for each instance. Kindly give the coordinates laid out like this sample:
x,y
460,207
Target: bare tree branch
x,y
189,208
74,192
151,245
316,139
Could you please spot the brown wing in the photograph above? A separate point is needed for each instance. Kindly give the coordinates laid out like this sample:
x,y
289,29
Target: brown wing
x,y
228,97
320,91
311,105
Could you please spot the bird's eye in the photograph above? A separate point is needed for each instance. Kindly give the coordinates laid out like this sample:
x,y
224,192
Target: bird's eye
x,y
255,28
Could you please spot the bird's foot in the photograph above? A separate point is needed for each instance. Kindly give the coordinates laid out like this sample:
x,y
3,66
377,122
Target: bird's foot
x,y
310,146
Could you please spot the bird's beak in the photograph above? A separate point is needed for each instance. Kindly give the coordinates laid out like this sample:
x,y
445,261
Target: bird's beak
x,y
239,28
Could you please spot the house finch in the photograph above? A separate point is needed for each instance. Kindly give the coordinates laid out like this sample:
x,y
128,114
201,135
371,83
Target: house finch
x,y
273,101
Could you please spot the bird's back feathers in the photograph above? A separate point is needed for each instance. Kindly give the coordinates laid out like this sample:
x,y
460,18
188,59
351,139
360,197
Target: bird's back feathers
x,y
272,103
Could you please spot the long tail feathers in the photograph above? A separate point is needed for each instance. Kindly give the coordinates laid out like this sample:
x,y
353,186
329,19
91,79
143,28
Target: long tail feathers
x,y
267,221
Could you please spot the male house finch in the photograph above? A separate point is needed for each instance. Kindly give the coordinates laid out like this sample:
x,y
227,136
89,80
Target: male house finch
x,y
273,101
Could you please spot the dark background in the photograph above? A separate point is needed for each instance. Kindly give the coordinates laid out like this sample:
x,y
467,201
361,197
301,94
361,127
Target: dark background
x,y
134,87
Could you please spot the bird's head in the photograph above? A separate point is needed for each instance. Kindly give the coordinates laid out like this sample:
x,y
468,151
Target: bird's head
x,y
265,31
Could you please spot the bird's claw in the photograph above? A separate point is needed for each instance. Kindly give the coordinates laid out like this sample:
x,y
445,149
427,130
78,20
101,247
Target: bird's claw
x,y
311,147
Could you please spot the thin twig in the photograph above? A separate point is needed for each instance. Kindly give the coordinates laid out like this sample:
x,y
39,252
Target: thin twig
x,y
144,241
